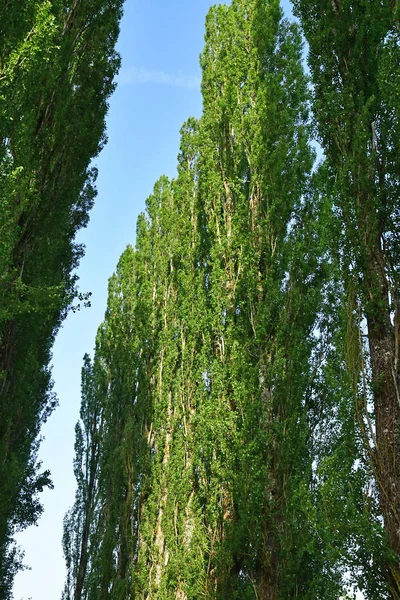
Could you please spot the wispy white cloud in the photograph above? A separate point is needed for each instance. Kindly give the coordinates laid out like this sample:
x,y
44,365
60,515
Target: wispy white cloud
x,y
140,76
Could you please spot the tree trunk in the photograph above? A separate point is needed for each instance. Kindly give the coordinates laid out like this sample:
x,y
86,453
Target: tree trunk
x,y
385,385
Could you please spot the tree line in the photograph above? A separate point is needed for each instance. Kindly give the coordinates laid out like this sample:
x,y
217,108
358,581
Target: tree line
x,y
239,434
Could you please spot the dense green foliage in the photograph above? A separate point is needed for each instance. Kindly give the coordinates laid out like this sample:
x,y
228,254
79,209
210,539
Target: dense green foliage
x,y
57,64
231,378
355,64
239,433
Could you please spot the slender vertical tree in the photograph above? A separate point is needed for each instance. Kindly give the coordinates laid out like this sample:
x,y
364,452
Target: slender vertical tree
x,y
254,166
122,470
354,60
80,521
172,543
57,65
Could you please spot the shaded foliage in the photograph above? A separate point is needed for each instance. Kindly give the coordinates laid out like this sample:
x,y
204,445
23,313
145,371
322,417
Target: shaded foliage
x,y
357,117
57,65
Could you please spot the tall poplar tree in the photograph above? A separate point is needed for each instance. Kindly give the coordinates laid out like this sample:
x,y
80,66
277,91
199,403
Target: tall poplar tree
x,y
57,65
172,538
81,520
254,165
124,354
124,409
354,60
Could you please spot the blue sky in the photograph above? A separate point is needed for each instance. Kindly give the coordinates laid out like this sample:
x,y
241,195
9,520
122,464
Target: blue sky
x,y
159,88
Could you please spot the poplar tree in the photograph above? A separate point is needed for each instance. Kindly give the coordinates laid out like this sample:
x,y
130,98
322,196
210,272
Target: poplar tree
x,y
123,349
81,520
57,65
123,355
254,165
172,539
354,61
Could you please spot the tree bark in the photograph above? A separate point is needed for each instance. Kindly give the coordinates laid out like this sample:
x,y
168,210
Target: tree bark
x,y
385,385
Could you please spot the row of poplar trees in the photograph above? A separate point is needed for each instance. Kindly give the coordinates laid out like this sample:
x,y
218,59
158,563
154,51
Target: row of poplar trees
x,y
57,64
240,421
